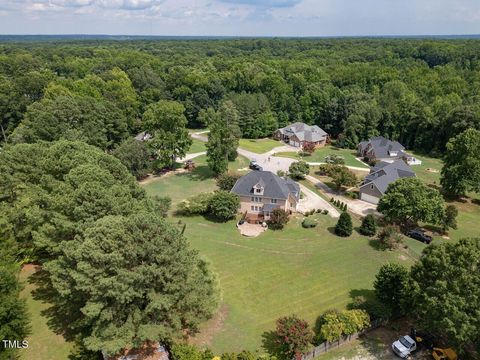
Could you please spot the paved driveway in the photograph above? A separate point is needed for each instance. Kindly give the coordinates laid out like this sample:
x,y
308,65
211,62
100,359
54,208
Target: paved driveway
x,y
313,201
358,207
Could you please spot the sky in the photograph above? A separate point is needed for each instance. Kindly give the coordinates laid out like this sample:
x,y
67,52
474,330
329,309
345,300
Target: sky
x,y
241,17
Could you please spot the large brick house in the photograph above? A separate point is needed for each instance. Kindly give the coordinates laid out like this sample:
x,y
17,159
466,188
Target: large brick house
x,y
298,134
261,192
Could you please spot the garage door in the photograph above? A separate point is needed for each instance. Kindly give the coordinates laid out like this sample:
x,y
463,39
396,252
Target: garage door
x,y
369,198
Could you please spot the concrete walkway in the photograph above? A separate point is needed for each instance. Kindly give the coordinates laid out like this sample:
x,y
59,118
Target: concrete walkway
x,y
190,156
356,206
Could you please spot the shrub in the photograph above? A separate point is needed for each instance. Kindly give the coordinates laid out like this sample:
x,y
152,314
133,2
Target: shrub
x,y
369,226
281,173
298,170
332,200
372,306
226,181
309,223
308,148
335,159
450,218
223,205
389,238
391,287
190,352
294,335
278,219
342,176
334,324
327,169
196,205
325,212
344,225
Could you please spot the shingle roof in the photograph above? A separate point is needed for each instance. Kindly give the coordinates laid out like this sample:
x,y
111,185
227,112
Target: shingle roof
x,y
384,173
274,186
382,146
304,132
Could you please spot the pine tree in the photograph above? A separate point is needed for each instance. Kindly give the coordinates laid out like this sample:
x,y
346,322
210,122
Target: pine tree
x,y
369,226
344,225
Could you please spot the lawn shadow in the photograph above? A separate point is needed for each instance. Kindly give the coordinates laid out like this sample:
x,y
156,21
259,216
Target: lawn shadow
x,y
375,244
331,230
58,317
271,345
200,173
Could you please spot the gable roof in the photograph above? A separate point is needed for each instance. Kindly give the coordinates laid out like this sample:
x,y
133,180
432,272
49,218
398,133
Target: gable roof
x,y
275,186
381,146
304,132
384,173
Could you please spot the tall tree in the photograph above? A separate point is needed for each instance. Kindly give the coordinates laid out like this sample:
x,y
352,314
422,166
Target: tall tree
x,y
223,137
445,284
14,321
391,287
409,200
128,280
166,121
461,163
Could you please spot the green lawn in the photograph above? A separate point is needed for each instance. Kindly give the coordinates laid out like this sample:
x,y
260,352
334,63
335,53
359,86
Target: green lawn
x,y
183,185
259,146
302,271
197,146
43,343
430,169
319,156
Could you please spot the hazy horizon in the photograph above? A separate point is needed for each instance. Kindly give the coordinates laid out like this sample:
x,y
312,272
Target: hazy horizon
x,y
241,18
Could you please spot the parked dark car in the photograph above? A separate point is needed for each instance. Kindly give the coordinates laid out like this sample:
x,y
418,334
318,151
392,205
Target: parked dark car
x,y
255,166
419,235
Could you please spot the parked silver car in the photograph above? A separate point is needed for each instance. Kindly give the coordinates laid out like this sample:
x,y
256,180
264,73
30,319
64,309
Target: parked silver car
x,y
404,346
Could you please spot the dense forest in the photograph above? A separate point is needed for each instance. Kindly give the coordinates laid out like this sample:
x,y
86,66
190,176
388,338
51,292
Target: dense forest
x,y
421,92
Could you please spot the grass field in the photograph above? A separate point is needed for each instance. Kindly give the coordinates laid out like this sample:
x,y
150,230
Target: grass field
x,y
319,156
43,343
302,271
259,146
197,146
183,185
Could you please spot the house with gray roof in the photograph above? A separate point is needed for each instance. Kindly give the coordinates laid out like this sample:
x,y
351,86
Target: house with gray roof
x,y
298,134
381,149
261,192
381,175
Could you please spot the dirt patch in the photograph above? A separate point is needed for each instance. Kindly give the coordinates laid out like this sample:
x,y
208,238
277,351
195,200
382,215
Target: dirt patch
x,y
402,257
151,178
431,170
213,326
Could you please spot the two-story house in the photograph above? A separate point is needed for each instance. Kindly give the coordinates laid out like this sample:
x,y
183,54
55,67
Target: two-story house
x,y
261,192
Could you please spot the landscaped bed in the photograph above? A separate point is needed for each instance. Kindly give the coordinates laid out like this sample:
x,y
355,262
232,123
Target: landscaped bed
x,y
320,153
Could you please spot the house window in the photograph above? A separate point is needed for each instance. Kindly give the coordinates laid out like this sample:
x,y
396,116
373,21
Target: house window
x,y
291,205
371,186
274,201
253,199
258,191
252,208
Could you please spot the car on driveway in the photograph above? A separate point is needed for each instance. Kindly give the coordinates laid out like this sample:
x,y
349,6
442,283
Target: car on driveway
x,y
419,235
404,346
254,166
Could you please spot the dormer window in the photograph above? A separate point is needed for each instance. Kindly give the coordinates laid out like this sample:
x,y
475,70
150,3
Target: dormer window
x,y
258,189
393,153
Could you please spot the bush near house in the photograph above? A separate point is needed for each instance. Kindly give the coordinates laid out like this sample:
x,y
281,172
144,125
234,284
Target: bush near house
x,y
223,205
278,219
308,223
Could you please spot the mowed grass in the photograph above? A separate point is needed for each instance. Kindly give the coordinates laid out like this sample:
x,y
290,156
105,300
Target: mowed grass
x,y
320,153
297,270
43,343
259,146
197,147
181,186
